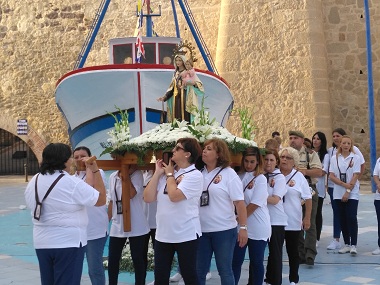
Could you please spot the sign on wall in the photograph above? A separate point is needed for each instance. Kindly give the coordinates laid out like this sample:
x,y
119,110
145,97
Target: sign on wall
x,y
22,127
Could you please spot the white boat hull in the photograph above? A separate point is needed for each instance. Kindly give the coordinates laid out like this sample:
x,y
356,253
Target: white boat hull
x,y
85,96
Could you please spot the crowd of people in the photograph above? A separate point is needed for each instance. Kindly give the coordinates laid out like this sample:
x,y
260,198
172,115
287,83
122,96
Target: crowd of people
x,y
196,206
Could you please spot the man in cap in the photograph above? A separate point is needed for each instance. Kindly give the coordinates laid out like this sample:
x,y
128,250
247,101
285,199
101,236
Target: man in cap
x,y
310,166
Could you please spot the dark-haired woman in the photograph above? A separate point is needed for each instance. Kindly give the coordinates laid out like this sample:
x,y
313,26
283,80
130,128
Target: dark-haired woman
x,y
58,204
276,186
319,145
222,192
337,135
177,191
97,228
258,220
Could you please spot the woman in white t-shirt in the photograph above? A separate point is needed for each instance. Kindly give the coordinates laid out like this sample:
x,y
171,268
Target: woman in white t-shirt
x,y
97,228
177,192
319,145
222,190
298,192
139,233
376,175
337,135
276,187
258,220
60,217
344,173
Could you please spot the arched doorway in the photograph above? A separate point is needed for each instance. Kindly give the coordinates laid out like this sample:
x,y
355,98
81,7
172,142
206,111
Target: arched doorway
x,y
15,154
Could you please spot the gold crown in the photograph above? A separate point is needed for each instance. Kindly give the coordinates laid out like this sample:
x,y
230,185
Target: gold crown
x,y
183,48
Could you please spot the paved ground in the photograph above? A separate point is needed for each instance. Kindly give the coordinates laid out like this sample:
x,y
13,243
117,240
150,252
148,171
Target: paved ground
x,y
18,263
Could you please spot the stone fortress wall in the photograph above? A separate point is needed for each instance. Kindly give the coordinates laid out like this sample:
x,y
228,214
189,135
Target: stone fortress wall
x,y
297,64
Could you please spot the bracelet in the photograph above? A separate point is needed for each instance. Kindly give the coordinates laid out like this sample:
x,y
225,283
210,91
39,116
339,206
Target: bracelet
x,y
168,176
95,171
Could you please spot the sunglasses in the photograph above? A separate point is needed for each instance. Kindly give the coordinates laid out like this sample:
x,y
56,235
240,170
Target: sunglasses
x,y
178,147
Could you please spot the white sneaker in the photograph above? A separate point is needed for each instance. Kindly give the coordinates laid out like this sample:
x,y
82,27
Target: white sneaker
x,y
376,251
176,277
208,276
181,282
292,283
353,249
151,283
334,244
345,249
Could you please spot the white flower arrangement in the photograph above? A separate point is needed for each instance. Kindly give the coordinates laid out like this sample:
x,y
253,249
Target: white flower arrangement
x,y
126,263
247,124
165,136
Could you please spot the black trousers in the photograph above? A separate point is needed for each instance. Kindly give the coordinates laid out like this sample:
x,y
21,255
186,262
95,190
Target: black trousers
x,y
292,241
273,275
139,251
163,259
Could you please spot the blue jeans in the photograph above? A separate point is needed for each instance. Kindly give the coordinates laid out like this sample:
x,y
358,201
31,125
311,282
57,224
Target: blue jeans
x,y
94,255
349,220
222,245
237,261
336,214
377,207
61,266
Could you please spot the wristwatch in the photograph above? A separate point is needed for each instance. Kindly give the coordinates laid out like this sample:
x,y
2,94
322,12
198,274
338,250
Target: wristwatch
x,y
348,190
169,175
243,227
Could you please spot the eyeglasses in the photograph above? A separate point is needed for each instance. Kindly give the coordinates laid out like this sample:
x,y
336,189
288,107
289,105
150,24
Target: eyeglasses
x,y
178,147
286,157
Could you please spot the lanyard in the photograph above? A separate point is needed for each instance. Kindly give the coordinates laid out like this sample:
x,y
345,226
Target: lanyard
x,y
337,164
220,170
291,177
249,183
49,190
166,192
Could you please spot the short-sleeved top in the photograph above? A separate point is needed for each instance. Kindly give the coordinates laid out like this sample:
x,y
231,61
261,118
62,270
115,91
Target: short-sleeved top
x,y
376,172
139,224
321,181
349,165
224,188
255,192
63,221
97,216
276,186
150,209
298,189
179,221
314,161
332,151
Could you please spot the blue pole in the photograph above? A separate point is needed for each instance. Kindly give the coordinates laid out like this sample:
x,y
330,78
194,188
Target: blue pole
x,y
196,38
94,33
175,19
371,111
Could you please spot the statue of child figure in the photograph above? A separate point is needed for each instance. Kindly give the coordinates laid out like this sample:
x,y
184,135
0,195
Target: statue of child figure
x,y
188,75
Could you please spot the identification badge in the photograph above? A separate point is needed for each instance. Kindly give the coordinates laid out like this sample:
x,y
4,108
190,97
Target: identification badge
x,y
205,199
343,177
37,211
119,207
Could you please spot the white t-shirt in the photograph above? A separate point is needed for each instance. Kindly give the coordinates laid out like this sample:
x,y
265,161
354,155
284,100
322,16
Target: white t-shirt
x,y
150,209
332,151
298,189
349,165
321,181
97,216
376,171
276,185
139,224
224,189
63,221
255,192
179,221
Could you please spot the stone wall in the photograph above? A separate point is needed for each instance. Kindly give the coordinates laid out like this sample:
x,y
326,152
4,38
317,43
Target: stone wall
x,y
298,64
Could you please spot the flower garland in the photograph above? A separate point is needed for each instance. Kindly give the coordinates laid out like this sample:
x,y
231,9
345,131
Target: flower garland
x,y
165,136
